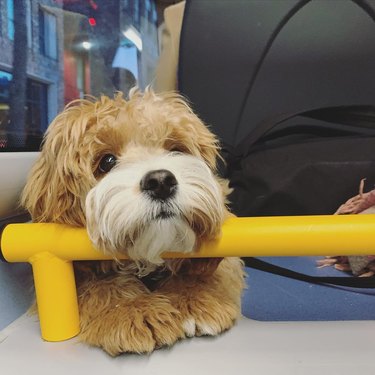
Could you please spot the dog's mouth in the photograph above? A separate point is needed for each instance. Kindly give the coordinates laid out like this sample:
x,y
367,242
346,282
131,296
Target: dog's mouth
x,y
162,215
164,211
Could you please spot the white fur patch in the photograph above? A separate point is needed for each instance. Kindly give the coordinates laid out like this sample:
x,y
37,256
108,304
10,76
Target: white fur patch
x,y
189,327
208,330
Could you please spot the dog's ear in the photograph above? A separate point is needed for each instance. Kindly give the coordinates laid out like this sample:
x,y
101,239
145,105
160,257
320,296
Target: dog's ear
x,y
204,141
55,186
190,133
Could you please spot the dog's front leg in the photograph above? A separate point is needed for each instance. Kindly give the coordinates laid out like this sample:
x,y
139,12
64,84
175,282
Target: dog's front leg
x,y
207,296
119,314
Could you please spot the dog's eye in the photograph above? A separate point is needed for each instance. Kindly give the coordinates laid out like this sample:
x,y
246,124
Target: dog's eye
x,y
177,150
107,162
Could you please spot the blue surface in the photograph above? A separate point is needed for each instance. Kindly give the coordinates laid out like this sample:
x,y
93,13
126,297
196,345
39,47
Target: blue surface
x,y
16,291
275,298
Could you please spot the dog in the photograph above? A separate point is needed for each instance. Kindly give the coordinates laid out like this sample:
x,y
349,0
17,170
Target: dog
x,y
140,174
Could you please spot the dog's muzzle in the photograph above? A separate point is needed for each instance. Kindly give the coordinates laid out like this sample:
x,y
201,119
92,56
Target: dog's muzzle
x,y
161,203
159,185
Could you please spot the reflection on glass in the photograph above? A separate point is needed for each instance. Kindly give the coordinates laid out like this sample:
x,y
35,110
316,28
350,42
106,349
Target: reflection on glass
x,y
55,51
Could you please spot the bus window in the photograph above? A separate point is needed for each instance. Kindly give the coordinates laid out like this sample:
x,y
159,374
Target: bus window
x,y
55,51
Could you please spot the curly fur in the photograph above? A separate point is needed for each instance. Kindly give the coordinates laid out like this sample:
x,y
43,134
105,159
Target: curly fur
x,y
143,303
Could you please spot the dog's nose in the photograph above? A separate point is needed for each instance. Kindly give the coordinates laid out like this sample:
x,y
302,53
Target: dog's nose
x,y
160,184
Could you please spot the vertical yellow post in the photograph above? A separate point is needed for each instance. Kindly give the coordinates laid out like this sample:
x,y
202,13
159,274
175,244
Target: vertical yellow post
x,y
56,297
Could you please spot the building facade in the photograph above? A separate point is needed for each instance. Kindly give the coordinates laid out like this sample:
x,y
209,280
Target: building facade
x,y
44,67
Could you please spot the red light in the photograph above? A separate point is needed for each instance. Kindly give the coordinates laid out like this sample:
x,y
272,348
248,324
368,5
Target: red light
x,y
92,21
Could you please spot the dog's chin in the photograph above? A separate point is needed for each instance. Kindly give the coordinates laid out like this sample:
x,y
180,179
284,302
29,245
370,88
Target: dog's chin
x,y
165,233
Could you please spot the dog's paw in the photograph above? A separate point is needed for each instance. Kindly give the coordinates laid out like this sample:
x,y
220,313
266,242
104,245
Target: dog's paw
x,y
139,326
207,315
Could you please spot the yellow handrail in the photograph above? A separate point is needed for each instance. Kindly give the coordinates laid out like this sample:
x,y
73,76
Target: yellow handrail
x,y
51,248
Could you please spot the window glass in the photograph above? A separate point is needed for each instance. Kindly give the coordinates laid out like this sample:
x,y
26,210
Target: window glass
x,y
48,34
55,51
10,18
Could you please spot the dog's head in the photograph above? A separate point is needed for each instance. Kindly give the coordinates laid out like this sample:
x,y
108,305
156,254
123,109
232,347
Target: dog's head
x,y
139,174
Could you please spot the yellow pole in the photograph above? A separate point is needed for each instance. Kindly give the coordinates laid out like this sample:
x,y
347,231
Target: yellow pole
x,y
51,248
245,237
56,297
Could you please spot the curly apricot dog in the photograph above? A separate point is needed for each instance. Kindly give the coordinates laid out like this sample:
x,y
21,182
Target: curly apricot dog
x,y
140,175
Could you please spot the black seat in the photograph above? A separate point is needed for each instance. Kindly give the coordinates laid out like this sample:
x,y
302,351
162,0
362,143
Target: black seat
x,y
250,66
